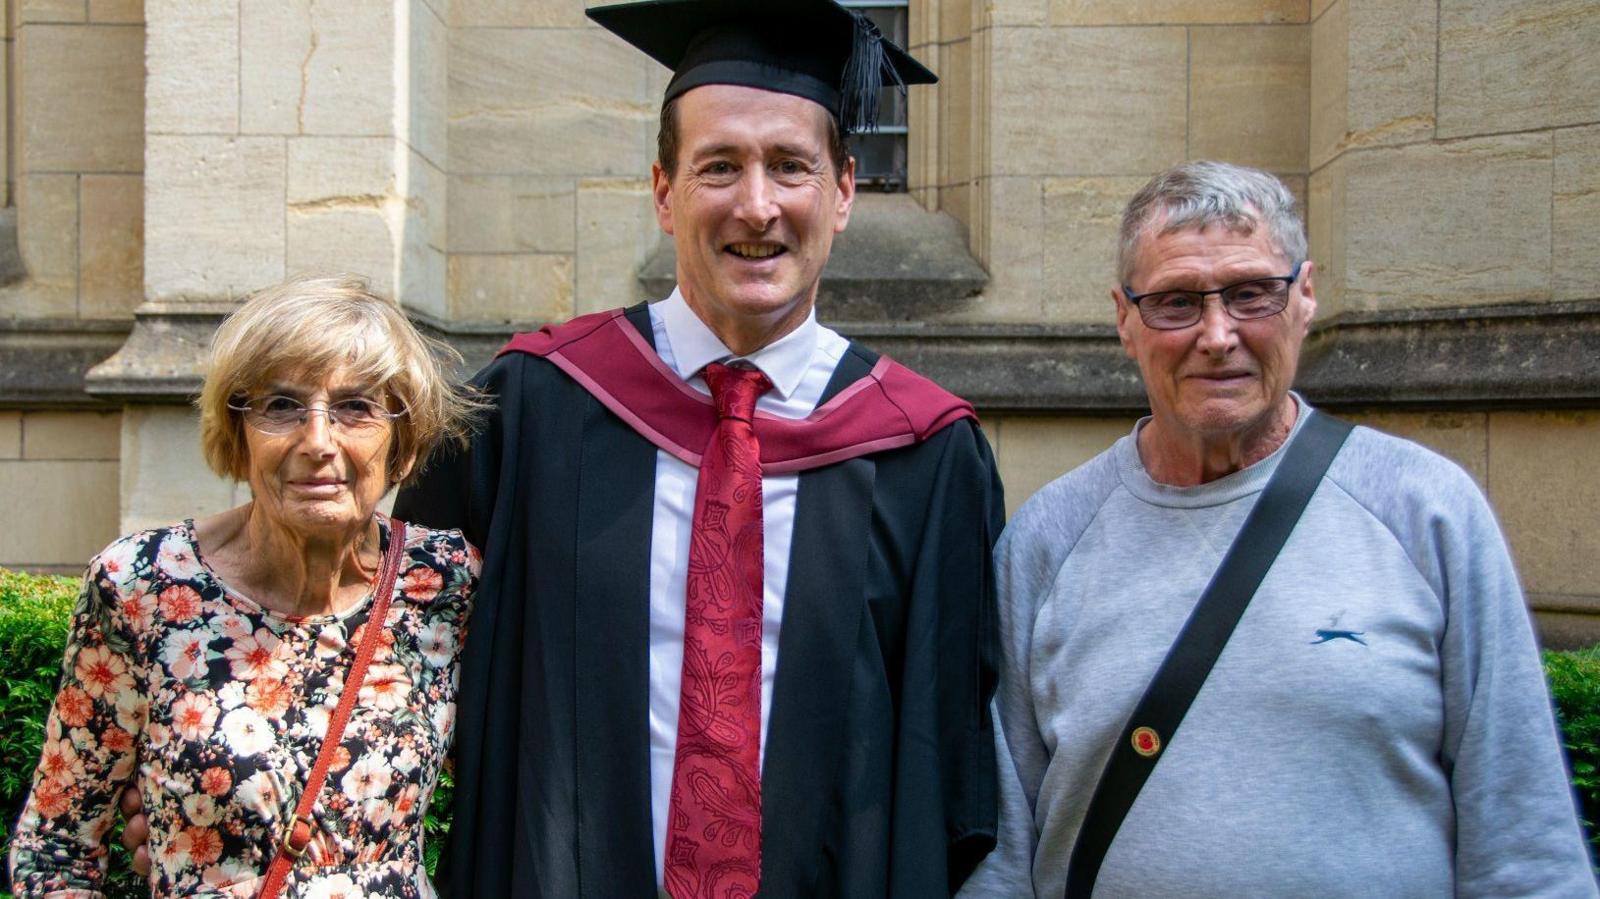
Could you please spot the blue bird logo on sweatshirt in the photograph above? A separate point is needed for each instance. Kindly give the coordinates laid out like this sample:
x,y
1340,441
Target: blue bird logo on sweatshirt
x,y
1334,632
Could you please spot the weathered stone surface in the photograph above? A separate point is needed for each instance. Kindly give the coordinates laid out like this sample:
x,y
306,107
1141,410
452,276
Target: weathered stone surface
x,y
1249,95
192,66
1177,12
422,115
164,475
1329,84
81,97
1014,250
47,233
1517,66
42,362
1326,227
50,10
1415,223
1066,112
522,288
340,171
56,513
214,216
518,104
1372,75
511,214
1576,215
1393,53
1002,13
955,114
1081,220
1318,7
10,435
954,22
162,359
1542,484
313,68
516,13
71,435
1462,437
111,260
423,279
344,238
1520,355
616,233
116,12
1033,451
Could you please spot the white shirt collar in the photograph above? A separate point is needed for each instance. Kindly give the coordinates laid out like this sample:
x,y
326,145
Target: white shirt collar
x,y
693,346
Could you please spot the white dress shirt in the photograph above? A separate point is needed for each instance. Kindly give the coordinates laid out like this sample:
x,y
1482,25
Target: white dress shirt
x,y
799,366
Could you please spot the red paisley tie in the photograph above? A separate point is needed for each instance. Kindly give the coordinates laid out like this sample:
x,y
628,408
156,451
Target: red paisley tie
x,y
714,821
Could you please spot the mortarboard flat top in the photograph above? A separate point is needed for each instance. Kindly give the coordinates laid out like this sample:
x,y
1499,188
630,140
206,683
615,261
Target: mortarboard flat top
x,y
815,49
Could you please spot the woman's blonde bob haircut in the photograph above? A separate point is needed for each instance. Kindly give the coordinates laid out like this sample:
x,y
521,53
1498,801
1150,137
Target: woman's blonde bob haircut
x,y
311,326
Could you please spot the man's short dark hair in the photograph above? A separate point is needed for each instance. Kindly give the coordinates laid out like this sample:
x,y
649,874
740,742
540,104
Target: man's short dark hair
x,y
667,141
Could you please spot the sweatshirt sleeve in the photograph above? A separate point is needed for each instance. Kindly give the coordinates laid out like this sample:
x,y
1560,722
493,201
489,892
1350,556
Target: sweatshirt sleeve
x,y
1517,831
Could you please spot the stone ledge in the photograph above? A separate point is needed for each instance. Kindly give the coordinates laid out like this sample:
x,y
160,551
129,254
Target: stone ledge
x,y
161,360
42,362
896,262
1522,356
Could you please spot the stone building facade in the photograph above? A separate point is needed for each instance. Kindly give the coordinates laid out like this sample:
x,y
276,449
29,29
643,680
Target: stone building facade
x,y
487,161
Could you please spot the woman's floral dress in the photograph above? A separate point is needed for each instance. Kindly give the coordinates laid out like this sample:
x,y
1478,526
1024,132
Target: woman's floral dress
x,y
217,708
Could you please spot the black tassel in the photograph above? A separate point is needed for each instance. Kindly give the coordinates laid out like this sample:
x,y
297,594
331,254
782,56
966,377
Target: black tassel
x,y
863,77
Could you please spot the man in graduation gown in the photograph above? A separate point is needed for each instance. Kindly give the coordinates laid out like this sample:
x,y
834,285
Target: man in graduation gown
x,y
865,656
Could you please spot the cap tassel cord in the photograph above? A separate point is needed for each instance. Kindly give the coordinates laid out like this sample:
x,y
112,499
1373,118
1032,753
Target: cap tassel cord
x,y
863,76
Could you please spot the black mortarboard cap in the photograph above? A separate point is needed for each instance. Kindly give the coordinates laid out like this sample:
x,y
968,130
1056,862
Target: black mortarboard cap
x,y
815,49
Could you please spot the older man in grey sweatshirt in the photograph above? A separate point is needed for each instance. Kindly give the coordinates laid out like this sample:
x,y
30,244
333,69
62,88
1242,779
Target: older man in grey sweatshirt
x,y
1377,724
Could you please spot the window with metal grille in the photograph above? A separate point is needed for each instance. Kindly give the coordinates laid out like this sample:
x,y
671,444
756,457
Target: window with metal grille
x,y
881,156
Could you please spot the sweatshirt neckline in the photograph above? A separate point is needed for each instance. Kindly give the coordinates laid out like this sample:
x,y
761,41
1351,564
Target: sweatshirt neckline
x,y
1240,484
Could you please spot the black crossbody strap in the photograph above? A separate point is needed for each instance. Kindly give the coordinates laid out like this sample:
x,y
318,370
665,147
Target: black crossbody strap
x,y
1187,664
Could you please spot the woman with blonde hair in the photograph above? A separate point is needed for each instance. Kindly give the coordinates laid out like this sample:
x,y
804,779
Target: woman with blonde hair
x,y
278,680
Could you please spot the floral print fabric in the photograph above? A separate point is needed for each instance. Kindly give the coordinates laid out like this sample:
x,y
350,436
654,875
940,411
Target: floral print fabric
x,y
217,707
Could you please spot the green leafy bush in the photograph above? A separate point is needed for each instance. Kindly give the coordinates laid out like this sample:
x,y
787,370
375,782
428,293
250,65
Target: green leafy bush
x,y
1575,687
34,615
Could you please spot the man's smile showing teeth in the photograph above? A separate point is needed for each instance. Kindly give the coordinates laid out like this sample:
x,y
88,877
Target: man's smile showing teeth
x,y
755,250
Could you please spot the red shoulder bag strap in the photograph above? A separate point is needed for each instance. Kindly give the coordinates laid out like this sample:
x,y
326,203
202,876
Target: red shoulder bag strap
x,y
298,835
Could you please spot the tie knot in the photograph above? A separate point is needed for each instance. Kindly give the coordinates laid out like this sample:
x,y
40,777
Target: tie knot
x,y
735,390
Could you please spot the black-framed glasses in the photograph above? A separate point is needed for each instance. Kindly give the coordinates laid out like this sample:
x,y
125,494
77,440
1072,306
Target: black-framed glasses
x,y
279,414
1171,310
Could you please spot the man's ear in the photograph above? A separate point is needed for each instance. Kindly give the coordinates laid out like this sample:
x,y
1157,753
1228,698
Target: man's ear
x,y
1308,293
661,190
1124,309
847,194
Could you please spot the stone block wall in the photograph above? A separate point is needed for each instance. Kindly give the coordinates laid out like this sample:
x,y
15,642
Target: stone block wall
x,y
75,160
1452,152
1051,113
59,478
487,162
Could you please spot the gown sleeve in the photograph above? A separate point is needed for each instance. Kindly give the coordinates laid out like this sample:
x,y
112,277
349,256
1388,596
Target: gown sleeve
x,y
88,755
951,659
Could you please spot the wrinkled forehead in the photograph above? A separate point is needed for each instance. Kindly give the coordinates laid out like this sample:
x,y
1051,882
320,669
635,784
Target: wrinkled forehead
x,y
1217,238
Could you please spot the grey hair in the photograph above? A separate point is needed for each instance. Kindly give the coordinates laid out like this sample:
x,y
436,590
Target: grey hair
x,y
1202,192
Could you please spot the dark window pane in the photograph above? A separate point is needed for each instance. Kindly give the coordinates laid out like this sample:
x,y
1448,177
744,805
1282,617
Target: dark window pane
x,y
881,157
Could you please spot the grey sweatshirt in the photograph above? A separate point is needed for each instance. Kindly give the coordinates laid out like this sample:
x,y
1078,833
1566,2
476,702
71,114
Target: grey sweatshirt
x,y
1378,724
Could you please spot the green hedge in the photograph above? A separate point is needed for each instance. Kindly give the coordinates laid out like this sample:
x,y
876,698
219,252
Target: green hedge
x,y
34,612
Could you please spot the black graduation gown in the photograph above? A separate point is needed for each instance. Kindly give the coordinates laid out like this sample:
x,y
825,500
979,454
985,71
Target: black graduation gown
x,y
879,772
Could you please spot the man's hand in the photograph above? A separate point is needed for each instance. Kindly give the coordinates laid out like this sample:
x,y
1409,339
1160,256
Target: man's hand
x,y
136,834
